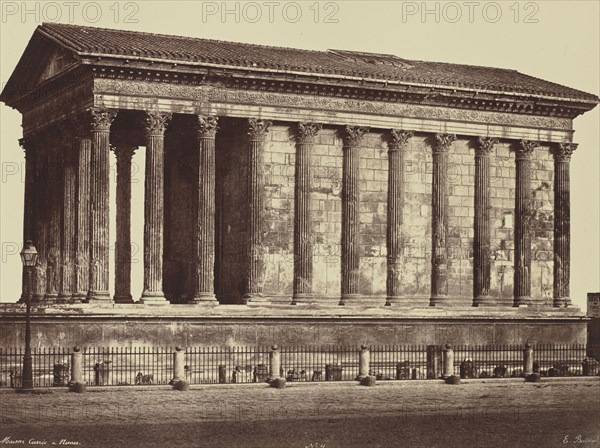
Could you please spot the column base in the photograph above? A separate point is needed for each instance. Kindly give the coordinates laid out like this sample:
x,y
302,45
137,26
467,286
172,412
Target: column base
x,y
484,301
79,297
154,298
303,298
123,299
348,299
391,300
99,296
37,298
207,298
563,302
64,297
50,298
438,300
522,301
254,298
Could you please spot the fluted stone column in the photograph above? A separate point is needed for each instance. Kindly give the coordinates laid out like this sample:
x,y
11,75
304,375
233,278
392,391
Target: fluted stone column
x,y
523,214
482,235
562,223
353,138
303,238
257,131
30,205
69,209
54,199
439,219
82,256
156,124
203,269
99,204
397,144
41,223
124,154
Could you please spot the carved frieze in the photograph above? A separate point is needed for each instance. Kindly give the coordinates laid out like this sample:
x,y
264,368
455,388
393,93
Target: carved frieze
x,y
202,95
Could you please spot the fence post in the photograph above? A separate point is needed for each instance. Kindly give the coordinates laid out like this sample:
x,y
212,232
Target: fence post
x,y
274,363
76,366
364,360
448,361
178,365
527,359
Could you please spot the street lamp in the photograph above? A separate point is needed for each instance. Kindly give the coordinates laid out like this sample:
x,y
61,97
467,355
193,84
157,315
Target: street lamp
x,y
29,257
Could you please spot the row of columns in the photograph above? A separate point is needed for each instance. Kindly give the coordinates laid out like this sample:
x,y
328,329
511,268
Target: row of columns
x,y
74,259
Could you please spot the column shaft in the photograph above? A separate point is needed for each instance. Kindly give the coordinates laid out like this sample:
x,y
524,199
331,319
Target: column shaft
x,y
395,200
124,154
82,257
482,235
303,239
523,213
41,223
156,124
257,131
99,204
353,137
203,269
54,203
562,223
69,242
439,219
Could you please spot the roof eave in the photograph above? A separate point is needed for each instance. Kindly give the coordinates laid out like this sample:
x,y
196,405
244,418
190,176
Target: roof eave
x,y
587,103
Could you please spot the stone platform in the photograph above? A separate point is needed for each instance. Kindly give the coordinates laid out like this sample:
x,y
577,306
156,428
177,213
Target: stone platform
x,y
232,325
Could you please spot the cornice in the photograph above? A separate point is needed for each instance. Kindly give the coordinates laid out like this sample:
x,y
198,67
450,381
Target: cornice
x,y
364,89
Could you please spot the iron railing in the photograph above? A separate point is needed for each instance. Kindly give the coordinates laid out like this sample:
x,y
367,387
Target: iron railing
x,y
213,365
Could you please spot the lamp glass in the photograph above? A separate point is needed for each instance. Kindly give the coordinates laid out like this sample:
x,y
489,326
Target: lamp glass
x,y
29,255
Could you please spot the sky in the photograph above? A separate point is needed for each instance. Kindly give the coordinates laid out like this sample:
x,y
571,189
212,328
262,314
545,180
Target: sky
x,y
555,40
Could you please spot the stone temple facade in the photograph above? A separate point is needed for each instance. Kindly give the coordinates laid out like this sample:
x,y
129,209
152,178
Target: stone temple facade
x,y
274,177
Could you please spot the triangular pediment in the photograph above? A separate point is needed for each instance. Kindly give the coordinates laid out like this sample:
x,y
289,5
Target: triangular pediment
x,y
42,60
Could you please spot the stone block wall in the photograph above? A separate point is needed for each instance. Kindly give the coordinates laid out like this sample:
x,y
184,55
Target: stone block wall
x,y
326,188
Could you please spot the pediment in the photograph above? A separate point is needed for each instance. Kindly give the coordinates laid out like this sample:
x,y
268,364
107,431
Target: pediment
x,y
42,60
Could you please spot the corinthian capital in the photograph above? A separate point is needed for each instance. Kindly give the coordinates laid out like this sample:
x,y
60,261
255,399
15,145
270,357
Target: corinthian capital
x,y
102,118
353,135
257,129
156,122
563,151
485,145
525,149
398,139
307,132
442,142
207,126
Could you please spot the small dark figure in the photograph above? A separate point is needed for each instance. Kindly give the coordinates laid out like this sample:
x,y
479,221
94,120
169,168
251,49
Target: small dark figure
x,y
484,374
144,379
468,369
500,371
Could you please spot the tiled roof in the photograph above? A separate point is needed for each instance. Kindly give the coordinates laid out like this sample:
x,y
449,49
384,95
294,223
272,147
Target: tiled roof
x,y
108,42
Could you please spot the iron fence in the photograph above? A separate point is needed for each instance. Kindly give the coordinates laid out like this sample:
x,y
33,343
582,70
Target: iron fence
x,y
398,362
50,366
559,360
489,361
124,366
211,365
319,363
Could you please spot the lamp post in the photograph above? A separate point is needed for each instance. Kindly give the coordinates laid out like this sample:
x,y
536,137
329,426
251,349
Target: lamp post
x,y
29,257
